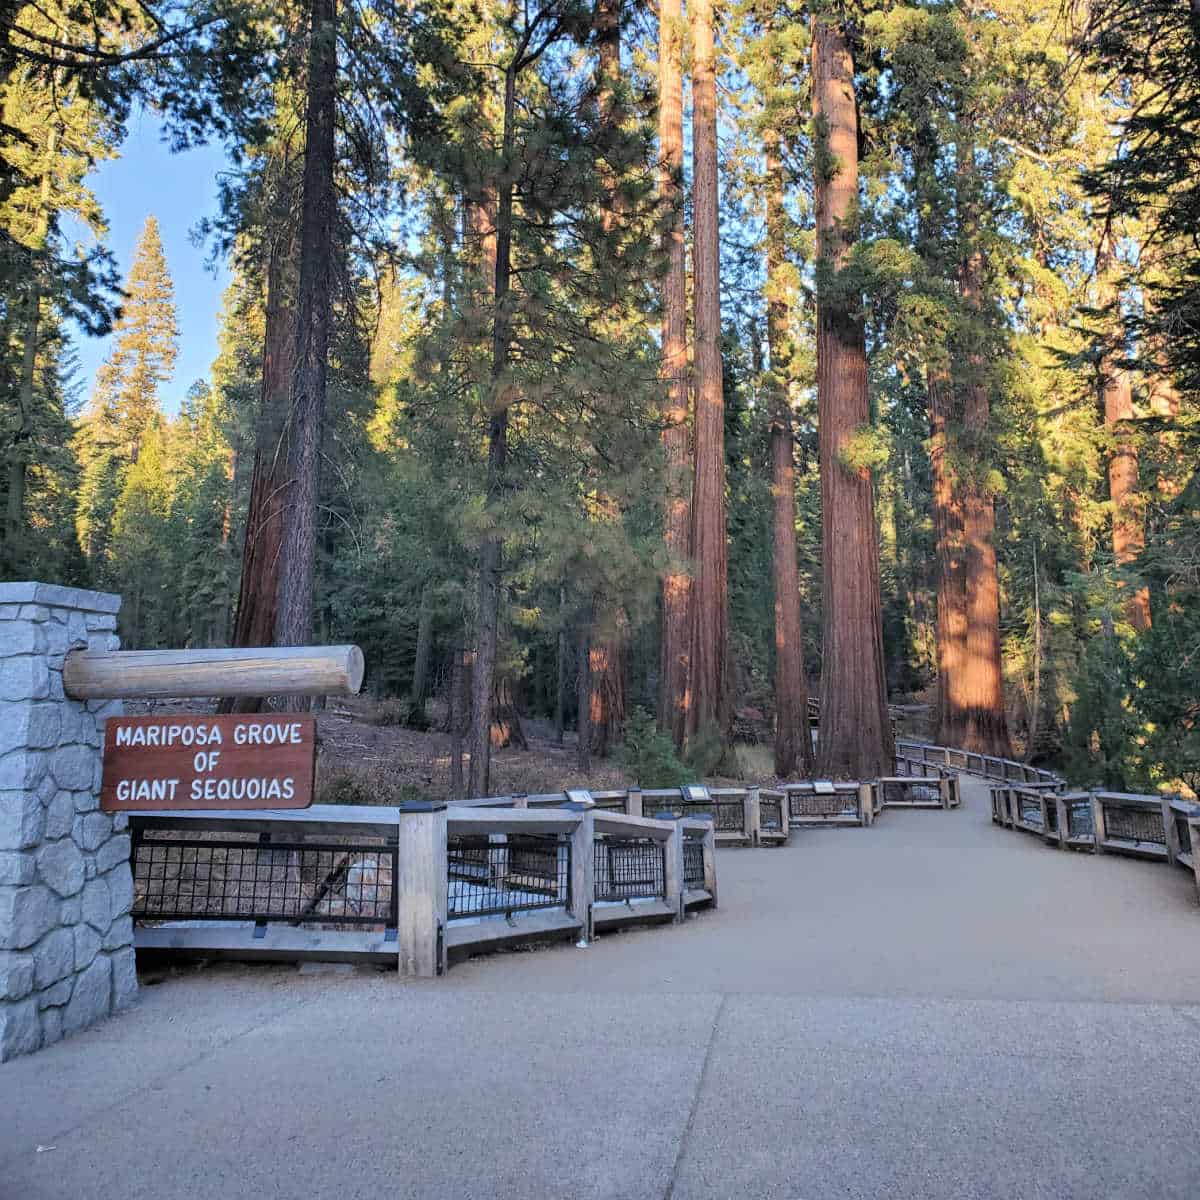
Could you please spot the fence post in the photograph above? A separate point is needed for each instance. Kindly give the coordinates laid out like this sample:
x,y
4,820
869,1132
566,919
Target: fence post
x,y
1064,820
750,816
422,886
633,802
1169,830
1194,833
583,871
1098,831
944,789
673,871
710,861
866,804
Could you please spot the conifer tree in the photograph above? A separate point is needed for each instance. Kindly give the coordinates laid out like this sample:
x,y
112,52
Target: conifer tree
x,y
125,402
708,698
855,737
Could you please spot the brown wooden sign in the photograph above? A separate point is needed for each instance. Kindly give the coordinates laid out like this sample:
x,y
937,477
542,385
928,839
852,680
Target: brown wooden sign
x,y
209,762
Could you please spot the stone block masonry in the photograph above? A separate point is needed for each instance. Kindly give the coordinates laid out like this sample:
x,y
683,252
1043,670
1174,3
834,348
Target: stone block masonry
x,y
66,940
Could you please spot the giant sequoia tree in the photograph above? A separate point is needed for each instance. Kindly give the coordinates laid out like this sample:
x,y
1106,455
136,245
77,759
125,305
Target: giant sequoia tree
x,y
856,738
707,697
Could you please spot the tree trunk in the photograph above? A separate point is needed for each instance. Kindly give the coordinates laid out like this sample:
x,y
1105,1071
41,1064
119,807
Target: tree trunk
x,y
424,648
583,688
676,583
1124,493
606,667
490,564
293,624
793,743
459,716
506,721
951,620
560,689
254,624
707,696
979,696
855,733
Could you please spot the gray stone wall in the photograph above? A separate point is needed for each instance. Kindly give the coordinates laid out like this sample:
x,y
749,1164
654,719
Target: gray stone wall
x,y
66,938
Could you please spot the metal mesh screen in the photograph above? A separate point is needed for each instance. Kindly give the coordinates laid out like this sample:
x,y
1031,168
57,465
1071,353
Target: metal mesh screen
x,y
1080,821
181,878
728,815
507,873
813,804
693,864
912,793
770,813
630,868
1133,824
1030,809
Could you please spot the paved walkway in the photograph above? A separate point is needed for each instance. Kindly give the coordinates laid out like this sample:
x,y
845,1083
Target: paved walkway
x,y
930,1008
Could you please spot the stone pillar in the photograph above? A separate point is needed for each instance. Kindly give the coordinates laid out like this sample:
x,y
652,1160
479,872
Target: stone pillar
x,y
66,938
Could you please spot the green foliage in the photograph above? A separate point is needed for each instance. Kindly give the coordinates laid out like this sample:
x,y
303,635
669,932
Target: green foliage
x,y
649,755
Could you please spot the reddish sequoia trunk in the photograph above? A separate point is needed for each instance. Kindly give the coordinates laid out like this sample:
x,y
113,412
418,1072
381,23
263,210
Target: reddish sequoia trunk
x,y
607,657
707,698
676,583
293,620
606,702
951,621
793,742
855,733
979,690
255,623
1128,508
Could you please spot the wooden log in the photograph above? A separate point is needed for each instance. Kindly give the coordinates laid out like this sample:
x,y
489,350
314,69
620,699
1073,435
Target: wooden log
x,y
184,674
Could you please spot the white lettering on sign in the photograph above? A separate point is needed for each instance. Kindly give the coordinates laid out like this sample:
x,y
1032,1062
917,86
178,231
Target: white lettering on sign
x,y
160,790
274,734
167,735
243,789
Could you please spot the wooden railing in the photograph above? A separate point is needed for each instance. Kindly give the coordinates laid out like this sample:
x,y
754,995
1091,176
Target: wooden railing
x,y
1006,770
1158,828
419,885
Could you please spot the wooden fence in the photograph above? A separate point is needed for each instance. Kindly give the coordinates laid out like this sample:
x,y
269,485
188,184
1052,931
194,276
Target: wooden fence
x,y
1158,828
419,886
1006,770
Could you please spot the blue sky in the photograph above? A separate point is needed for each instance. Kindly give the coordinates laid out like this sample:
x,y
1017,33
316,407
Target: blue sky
x,y
179,189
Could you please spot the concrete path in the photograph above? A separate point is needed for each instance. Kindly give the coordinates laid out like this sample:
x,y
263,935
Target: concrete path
x,y
930,1008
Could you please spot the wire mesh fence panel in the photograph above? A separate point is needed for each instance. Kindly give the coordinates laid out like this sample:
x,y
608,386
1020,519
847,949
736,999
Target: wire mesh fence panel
x,y
770,813
1134,824
505,874
1029,810
182,878
629,868
822,804
895,792
1080,819
729,816
693,864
